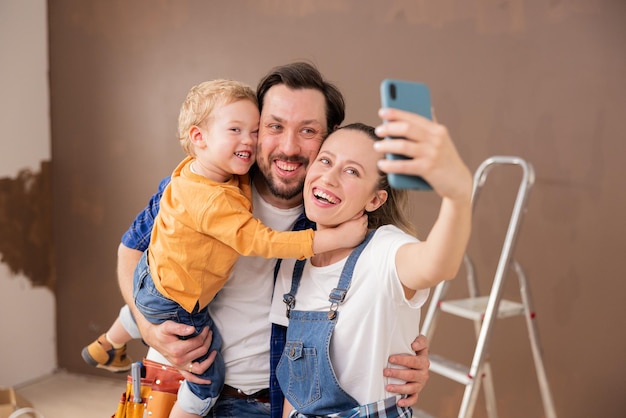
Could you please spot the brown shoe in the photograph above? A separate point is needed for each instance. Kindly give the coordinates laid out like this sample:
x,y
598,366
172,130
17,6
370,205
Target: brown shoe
x,y
101,354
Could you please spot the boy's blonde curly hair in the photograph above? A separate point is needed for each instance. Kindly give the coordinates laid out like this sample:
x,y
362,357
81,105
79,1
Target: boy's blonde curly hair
x,y
202,99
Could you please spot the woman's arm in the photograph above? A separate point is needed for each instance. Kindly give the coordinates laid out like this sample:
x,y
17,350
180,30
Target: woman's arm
x,y
434,157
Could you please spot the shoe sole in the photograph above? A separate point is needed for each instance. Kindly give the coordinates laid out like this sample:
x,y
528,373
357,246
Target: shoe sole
x,y
90,361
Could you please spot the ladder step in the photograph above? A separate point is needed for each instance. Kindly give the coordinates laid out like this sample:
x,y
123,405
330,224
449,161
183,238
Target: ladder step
x,y
474,308
450,369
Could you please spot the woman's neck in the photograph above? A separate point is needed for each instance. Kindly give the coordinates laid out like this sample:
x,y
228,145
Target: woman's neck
x,y
329,257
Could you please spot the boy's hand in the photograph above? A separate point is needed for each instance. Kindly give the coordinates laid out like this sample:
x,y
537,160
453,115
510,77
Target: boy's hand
x,y
353,232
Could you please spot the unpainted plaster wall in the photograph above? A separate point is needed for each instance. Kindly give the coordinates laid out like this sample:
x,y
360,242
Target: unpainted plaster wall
x,y
27,302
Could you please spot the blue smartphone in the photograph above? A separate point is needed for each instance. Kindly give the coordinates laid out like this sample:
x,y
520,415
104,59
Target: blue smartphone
x,y
412,97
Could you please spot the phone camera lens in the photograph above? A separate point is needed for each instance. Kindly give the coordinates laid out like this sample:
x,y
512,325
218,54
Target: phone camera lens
x,y
392,91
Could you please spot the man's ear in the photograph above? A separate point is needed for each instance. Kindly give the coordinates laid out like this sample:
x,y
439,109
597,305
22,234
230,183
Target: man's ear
x,y
380,197
197,137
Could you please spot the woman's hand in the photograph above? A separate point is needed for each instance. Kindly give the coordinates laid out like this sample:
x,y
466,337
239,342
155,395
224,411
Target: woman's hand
x,y
432,154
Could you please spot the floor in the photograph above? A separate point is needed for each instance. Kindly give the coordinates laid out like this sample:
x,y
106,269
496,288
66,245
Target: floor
x,y
66,395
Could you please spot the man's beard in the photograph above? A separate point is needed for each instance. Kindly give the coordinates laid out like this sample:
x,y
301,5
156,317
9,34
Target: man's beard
x,y
285,189
282,190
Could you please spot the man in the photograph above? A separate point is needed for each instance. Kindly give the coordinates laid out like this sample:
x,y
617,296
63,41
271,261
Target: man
x,y
298,110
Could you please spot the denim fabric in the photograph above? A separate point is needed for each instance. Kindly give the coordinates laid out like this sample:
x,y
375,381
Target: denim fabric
x,y
228,407
305,371
156,308
193,403
386,408
138,235
279,333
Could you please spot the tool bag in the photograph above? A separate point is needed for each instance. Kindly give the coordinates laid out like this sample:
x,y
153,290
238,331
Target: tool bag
x,y
151,388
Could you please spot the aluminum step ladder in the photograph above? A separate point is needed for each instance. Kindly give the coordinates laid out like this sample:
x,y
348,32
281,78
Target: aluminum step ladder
x,y
483,310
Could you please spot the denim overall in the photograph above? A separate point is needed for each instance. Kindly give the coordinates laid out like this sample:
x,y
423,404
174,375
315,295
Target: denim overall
x,y
305,372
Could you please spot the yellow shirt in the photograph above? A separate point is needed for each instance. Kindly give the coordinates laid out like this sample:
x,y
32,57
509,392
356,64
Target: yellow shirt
x,y
200,230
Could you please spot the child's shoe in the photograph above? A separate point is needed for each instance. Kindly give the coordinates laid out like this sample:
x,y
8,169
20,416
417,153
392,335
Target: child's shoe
x,y
101,354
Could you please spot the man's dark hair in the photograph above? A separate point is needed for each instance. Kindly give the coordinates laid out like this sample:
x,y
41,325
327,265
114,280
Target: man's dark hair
x,y
303,75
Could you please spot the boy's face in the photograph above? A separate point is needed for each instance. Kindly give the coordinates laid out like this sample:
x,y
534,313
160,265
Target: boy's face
x,y
228,140
291,131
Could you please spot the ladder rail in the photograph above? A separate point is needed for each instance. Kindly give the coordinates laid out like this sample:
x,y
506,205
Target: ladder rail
x,y
533,332
428,329
486,377
480,177
483,310
428,325
519,208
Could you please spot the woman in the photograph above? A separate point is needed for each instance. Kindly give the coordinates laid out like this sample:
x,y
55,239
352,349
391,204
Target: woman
x,y
348,309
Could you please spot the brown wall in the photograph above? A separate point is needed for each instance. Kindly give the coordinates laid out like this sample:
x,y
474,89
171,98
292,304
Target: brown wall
x,y
540,80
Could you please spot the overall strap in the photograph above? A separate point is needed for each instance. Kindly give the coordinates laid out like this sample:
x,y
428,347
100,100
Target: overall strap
x,y
301,224
338,294
290,298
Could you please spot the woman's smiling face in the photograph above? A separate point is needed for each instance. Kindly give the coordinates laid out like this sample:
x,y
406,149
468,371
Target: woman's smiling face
x,y
343,179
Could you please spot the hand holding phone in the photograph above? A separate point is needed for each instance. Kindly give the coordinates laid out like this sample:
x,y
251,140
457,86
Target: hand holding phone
x,y
413,97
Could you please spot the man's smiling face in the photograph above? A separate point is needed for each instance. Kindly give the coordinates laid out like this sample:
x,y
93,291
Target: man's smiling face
x,y
291,131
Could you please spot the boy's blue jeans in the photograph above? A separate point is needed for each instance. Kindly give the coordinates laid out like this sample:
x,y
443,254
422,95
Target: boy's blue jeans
x,y
156,308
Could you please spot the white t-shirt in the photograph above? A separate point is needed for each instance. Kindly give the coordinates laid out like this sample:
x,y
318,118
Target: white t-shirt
x,y
375,321
241,309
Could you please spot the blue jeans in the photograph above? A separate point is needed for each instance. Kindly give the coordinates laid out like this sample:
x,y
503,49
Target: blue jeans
x,y
227,407
157,309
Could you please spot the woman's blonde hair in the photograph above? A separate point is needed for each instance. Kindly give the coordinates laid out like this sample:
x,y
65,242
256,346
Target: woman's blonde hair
x,y
393,211
202,99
